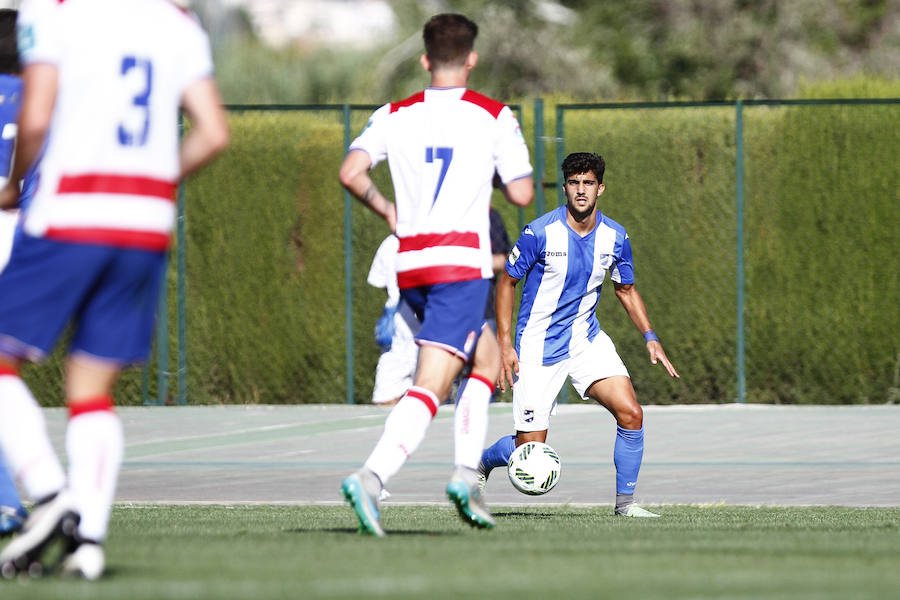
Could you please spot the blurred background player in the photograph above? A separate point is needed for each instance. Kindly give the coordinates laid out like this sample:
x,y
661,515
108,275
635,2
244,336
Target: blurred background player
x,y
564,257
108,78
12,513
398,325
395,330
442,145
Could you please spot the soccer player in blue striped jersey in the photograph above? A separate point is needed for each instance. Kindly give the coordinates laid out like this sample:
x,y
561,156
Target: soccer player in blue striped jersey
x,y
564,256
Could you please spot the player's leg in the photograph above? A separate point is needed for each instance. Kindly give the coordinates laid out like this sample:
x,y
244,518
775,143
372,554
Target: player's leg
x,y
617,395
29,454
95,446
534,398
39,289
474,398
114,328
470,428
444,347
599,374
404,430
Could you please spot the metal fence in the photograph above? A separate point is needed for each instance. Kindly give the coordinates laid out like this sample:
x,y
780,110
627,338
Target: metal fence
x,y
723,131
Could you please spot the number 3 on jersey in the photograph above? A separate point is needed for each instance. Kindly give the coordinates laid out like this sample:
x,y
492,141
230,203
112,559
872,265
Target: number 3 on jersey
x,y
445,155
134,131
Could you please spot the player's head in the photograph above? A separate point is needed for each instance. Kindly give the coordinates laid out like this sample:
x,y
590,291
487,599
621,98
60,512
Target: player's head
x,y
583,162
582,182
9,51
449,40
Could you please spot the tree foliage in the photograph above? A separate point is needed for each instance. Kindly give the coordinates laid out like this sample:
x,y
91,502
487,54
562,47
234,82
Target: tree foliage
x,y
590,50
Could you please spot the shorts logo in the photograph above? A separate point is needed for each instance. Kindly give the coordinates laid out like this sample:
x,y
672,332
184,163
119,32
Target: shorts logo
x,y
470,343
528,415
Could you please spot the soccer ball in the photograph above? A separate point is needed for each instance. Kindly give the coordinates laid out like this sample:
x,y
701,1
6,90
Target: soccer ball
x,y
534,468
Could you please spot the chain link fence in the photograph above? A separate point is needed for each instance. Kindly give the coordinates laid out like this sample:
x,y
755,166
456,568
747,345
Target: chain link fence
x,y
764,236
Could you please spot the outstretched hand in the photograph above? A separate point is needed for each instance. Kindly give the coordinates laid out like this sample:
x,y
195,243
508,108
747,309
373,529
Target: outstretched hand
x,y
658,354
509,366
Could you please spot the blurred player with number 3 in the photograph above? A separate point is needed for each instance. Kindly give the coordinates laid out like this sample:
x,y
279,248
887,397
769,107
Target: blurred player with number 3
x,y
104,81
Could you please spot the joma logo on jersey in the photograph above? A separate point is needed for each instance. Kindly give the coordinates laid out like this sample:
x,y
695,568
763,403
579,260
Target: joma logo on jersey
x,y
549,253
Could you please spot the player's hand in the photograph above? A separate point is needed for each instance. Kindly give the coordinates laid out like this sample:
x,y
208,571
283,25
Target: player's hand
x,y
509,366
9,197
658,354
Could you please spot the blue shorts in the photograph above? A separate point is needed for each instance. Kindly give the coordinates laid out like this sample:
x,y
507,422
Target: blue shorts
x,y
452,314
109,294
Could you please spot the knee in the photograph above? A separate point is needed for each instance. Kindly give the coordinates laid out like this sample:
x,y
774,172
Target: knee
x,y
631,417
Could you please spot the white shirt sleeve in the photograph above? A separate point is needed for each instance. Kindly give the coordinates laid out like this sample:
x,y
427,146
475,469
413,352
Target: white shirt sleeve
x,y
197,63
373,139
36,26
511,152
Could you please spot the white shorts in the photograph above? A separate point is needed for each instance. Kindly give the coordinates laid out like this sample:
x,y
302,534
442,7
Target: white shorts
x,y
397,367
536,387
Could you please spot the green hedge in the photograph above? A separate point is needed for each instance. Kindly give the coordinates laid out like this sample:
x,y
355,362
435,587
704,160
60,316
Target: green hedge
x,y
265,256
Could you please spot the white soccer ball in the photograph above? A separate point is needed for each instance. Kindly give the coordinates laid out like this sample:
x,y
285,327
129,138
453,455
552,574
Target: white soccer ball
x,y
534,468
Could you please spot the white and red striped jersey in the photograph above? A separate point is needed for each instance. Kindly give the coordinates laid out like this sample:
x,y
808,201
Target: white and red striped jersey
x,y
109,168
443,146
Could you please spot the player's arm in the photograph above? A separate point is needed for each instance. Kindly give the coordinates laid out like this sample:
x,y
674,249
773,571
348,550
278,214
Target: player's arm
x,y
509,361
40,83
519,191
637,311
208,135
354,176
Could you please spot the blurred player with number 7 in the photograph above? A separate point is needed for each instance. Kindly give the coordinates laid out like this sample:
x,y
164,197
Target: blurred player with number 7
x,y
442,146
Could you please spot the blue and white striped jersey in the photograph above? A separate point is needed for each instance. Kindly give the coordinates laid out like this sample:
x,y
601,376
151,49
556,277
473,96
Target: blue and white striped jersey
x,y
563,275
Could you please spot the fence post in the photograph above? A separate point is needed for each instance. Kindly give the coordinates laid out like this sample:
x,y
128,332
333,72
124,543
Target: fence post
x,y
560,153
348,270
739,231
162,340
180,298
540,161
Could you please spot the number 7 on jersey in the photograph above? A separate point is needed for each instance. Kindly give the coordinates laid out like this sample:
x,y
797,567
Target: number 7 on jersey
x,y
445,155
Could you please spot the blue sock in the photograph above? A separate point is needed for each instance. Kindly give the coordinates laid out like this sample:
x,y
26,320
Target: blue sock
x,y
498,454
627,455
9,496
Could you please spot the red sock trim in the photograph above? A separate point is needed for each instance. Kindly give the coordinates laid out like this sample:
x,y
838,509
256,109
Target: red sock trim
x,y
426,397
483,380
8,370
86,405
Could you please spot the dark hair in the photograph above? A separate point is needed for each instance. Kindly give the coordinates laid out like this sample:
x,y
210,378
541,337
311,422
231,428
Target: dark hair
x,y
9,51
582,162
448,39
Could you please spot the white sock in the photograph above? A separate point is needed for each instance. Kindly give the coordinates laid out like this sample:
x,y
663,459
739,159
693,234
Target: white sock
x,y
404,430
471,421
95,444
24,439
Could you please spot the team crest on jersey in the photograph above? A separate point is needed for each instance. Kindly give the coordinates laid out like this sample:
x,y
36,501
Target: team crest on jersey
x,y
513,256
606,261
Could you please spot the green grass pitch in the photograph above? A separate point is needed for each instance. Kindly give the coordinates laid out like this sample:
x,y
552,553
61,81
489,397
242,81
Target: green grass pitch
x,y
267,552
